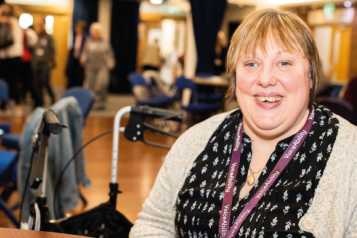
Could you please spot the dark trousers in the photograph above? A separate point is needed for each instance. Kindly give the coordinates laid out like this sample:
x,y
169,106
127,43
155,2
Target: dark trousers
x,y
29,83
42,73
9,71
75,75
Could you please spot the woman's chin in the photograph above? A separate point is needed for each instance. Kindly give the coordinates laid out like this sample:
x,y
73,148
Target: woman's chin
x,y
267,126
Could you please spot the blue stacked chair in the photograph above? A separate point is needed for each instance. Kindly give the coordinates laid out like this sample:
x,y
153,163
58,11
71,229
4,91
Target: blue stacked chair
x,y
5,127
8,179
85,98
137,81
193,107
8,162
207,96
8,140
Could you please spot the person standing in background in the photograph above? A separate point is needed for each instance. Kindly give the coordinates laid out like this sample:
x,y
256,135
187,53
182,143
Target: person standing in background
x,y
27,74
74,70
10,57
43,59
151,58
220,54
97,58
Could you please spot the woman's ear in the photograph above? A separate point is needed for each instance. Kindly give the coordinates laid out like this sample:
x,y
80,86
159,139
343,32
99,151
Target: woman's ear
x,y
310,77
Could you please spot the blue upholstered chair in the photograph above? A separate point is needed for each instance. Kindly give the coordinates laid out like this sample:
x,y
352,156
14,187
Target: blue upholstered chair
x,y
210,96
142,94
8,180
85,98
189,100
5,126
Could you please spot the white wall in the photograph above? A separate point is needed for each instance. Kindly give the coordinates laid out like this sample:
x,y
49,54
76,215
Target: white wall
x,y
191,53
104,17
323,39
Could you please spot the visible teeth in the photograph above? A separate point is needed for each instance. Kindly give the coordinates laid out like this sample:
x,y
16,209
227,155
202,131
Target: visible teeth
x,y
269,99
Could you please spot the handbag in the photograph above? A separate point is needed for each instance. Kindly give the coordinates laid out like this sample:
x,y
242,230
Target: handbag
x,y
6,38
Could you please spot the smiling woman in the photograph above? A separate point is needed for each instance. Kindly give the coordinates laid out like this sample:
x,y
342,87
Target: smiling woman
x,y
280,166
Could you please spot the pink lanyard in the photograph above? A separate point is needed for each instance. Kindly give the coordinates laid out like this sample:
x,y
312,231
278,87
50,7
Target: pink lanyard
x,y
289,153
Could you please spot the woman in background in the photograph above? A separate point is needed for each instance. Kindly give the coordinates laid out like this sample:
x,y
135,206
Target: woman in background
x,y
97,58
28,79
74,70
10,57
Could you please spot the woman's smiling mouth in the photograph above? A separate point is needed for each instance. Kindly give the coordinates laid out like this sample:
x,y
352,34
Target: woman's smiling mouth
x,y
268,99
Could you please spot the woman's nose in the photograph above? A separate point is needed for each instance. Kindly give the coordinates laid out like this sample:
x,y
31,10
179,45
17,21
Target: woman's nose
x,y
266,77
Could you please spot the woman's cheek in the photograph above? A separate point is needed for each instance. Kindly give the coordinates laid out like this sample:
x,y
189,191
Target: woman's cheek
x,y
291,81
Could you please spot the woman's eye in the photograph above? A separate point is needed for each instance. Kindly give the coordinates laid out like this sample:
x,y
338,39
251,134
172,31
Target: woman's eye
x,y
284,63
252,64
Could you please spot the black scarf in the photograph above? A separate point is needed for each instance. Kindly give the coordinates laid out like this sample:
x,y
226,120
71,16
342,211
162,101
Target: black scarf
x,y
278,213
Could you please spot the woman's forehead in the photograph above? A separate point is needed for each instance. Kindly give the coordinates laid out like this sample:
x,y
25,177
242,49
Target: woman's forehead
x,y
270,45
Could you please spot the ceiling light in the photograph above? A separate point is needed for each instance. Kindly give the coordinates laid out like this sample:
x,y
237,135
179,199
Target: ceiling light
x,y
155,1
347,3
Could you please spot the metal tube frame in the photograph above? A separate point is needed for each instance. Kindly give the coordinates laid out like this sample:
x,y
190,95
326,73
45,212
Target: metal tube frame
x,y
117,130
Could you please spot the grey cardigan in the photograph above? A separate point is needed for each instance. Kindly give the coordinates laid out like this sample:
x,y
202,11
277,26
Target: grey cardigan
x,y
332,213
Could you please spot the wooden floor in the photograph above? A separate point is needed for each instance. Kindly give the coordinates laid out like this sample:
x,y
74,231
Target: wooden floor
x,y
138,167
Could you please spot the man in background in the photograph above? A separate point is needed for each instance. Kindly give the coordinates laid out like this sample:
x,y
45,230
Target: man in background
x,y
43,59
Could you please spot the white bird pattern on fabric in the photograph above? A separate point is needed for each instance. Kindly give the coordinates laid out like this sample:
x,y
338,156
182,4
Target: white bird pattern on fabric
x,y
285,202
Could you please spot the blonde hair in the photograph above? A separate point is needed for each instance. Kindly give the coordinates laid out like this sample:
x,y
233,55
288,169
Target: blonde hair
x,y
95,26
289,32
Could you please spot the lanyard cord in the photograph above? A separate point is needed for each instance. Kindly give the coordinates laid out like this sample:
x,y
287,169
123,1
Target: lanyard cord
x,y
289,153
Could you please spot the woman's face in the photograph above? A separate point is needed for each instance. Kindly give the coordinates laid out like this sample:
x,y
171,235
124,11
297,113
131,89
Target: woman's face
x,y
273,91
95,33
78,30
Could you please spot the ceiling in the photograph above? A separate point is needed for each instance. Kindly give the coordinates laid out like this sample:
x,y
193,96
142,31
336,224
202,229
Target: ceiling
x,y
270,2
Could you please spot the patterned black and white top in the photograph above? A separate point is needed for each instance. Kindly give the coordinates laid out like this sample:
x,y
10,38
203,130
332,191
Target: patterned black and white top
x,y
277,214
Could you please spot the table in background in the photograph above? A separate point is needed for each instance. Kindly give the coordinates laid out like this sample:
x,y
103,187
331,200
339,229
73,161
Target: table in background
x,y
214,81
11,233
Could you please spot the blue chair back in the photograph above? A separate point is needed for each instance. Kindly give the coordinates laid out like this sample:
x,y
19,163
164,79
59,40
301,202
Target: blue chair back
x,y
336,90
182,83
137,79
85,99
4,91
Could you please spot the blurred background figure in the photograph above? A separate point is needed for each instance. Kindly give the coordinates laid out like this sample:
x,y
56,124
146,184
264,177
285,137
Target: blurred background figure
x,y
97,58
151,58
29,84
74,70
43,59
350,93
10,56
220,54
